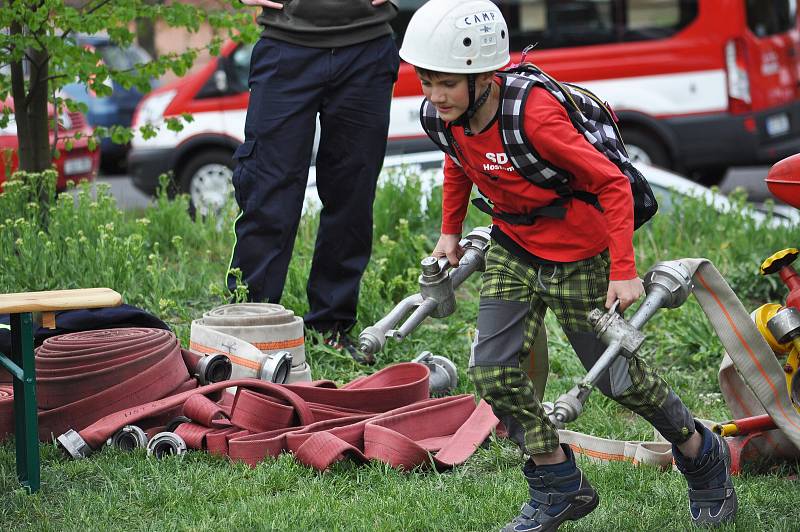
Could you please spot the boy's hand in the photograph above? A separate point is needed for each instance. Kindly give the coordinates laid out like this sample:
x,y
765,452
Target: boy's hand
x,y
447,246
263,3
626,291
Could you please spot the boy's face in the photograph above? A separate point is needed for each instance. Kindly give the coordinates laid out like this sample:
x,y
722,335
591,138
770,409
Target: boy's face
x,y
447,92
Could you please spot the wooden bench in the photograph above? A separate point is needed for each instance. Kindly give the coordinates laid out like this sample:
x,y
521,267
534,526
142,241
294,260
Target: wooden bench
x,y
20,362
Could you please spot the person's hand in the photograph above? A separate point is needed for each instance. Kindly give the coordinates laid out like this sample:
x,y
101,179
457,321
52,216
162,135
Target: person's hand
x,y
263,3
626,291
447,246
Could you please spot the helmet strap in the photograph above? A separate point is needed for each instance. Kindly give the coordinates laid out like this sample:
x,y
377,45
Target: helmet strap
x,y
474,104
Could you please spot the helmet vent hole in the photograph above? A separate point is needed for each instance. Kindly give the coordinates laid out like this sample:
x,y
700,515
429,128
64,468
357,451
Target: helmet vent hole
x,y
469,61
502,34
467,41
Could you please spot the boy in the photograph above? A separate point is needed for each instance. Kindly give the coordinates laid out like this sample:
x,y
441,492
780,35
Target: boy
x,y
570,263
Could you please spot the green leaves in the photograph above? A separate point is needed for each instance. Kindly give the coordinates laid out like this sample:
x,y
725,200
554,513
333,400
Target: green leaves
x,y
51,26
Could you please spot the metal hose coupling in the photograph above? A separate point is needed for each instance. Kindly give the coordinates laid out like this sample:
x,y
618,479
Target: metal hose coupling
x,y
128,438
276,367
443,375
165,444
213,368
568,406
435,284
72,443
668,285
785,325
436,293
175,422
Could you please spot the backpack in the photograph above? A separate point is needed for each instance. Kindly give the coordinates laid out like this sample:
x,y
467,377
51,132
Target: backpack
x,y
590,116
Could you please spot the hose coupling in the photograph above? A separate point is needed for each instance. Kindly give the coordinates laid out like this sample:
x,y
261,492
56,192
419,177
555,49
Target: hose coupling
x,y
568,406
371,340
610,326
435,283
443,375
128,438
74,445
276,367
165,444
213,368
175,422
785,325
672,279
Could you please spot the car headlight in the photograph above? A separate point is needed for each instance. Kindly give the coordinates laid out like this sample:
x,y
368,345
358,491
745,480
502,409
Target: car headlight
x,y
151,110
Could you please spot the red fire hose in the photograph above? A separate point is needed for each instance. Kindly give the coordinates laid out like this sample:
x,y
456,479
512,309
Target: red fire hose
x,y
386,416
103,383
83,376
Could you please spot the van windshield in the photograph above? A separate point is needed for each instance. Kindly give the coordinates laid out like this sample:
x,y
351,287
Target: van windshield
x,y
563,23
770,17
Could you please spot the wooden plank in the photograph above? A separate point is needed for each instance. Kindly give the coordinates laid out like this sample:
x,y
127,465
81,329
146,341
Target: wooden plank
x,y
59,300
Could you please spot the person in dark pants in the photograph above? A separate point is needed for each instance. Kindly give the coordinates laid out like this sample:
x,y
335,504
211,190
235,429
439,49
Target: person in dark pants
x,y
335,59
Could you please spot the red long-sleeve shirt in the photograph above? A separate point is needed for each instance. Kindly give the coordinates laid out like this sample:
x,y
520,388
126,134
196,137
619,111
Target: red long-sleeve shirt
x,y
584,231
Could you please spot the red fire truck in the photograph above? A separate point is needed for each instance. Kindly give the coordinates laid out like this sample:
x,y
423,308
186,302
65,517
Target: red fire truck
x,y
698,85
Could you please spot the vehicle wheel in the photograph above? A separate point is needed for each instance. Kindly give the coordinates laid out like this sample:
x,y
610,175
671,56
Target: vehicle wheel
x,y
646,148
206,177
710,176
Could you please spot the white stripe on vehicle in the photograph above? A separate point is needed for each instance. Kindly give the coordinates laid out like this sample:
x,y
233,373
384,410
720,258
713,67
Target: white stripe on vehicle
x,y
661,95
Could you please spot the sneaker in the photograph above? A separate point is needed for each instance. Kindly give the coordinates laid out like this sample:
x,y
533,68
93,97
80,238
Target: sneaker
x,y
342,342
559,493
712,497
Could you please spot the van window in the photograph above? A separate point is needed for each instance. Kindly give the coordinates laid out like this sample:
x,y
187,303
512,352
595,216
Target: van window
x,y
769,17
563,23
240,67
656,19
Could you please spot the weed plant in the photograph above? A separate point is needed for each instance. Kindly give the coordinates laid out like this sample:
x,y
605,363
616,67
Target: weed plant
x,y
174,266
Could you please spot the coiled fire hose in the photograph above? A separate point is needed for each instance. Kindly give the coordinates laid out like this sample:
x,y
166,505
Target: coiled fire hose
x,y
84,376
262,340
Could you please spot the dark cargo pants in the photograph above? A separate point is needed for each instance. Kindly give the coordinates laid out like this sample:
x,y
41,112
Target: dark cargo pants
x,y
350,88
514,298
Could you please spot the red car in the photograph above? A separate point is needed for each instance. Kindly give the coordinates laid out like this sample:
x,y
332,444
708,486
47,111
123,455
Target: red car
x,y
74,165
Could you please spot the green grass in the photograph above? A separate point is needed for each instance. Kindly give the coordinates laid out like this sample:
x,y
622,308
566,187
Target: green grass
x,y
162,260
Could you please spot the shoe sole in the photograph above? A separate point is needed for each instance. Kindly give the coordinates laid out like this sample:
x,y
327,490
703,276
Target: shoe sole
x,y
572,513
585,509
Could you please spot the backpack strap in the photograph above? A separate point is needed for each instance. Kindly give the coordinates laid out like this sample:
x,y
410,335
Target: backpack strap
x,y
521,152
556,209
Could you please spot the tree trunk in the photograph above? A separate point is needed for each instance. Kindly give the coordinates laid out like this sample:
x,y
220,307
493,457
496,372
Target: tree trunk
x,y
39,117
146,35
146,32
30,110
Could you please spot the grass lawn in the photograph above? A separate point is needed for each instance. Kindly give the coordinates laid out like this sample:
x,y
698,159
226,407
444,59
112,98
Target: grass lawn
x,y
173,266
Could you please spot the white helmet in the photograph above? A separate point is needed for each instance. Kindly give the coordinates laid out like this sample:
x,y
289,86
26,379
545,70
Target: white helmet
x,y
457,37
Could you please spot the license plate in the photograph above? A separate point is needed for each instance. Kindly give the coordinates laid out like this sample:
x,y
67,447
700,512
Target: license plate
x,y
78,165
777,125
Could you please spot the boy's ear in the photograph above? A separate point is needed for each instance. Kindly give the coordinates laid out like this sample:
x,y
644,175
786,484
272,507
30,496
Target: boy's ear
x,y
485,77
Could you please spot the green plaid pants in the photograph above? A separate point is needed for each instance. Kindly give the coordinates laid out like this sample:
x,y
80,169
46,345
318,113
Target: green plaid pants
x,y
514,298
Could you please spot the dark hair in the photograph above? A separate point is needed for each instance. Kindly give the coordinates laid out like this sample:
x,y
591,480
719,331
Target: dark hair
x,y
433,74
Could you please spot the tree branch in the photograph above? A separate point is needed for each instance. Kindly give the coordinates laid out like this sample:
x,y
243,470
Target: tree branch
x,y
84,13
